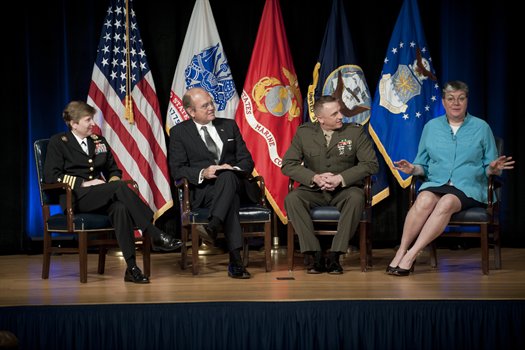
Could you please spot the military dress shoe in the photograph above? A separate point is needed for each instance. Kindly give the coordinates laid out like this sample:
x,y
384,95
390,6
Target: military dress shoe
x,y
133,274
334,268
318,265
237,270
316,268
165,242
207,235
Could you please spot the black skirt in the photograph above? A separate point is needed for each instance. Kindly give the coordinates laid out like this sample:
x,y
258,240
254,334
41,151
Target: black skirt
x,y
466,202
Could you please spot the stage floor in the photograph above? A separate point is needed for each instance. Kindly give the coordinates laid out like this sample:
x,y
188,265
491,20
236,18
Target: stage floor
x,y
458,276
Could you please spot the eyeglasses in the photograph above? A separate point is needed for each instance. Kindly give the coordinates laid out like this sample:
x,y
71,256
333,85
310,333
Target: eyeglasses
x,y
452,100
207,105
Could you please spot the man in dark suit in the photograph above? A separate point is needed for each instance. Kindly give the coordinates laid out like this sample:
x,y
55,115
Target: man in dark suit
x,y
330,160
84,161
211,153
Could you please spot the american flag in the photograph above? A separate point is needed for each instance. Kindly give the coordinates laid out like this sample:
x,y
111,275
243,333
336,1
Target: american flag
x,y
137,138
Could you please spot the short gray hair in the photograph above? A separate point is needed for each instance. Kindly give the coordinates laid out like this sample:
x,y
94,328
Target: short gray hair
x,y
454,85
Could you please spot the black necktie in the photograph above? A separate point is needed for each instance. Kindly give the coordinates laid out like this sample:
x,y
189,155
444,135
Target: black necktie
x,y
212,146
84,146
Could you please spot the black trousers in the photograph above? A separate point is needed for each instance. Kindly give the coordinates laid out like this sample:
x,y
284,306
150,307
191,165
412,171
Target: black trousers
x,y
124,207
223,200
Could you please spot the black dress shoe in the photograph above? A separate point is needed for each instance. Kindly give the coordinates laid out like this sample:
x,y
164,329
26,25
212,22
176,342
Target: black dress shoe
x,y
165,242
237,270
318,266
207,235
334,268
133,274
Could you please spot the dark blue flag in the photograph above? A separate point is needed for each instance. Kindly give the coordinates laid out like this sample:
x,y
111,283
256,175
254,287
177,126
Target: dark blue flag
x,y
408,94
336,72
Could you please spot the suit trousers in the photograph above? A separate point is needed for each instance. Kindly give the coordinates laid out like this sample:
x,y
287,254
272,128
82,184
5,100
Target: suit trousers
x,y
223,200
350,202
124,208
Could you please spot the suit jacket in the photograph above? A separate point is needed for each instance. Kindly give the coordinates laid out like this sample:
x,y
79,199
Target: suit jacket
x,y
350,153
188,155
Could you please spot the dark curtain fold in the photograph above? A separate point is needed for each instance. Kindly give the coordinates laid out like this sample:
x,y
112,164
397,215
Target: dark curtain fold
x,y
411,324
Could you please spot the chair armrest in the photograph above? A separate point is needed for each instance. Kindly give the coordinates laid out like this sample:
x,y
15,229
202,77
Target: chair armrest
x,y
262,188
183,187
63,187
412,190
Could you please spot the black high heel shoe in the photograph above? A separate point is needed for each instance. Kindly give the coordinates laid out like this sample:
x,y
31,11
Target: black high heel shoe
x,y
390,270
397,271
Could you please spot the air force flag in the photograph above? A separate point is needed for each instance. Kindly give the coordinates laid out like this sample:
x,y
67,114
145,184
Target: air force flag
x,y
408,93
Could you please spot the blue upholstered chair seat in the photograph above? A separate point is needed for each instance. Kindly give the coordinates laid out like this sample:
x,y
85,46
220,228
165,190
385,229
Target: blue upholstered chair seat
x,y
81,222
320,214
471,215
252,213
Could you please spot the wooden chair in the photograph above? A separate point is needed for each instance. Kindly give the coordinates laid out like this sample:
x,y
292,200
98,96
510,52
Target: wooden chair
x,y
87,229
480,223
325,221
256,221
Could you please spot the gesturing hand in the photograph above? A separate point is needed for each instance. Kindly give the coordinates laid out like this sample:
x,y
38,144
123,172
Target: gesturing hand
x,y
405,166
500,164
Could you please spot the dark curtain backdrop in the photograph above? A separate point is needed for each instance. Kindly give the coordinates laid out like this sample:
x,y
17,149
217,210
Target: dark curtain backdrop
x,y
50,48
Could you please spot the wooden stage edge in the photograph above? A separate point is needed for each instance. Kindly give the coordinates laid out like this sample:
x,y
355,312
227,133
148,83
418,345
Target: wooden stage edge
x,y
458,276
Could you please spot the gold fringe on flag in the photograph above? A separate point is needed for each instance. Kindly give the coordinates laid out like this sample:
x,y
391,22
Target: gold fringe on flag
x,y
128,113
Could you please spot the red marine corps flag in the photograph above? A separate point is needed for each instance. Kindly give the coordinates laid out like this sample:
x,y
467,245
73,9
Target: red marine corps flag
x,y
270,107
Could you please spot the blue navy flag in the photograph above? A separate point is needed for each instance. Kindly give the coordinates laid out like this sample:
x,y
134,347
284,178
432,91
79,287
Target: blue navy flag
x,y
408,94
336,72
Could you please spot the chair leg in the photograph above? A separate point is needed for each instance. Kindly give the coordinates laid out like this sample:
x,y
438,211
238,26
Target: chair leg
x,y
102,251
290,252
47,254
362,245
194,250
245,251
484,249
184,248
433,255
268,246
82,255
497,248
146,253
369,233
